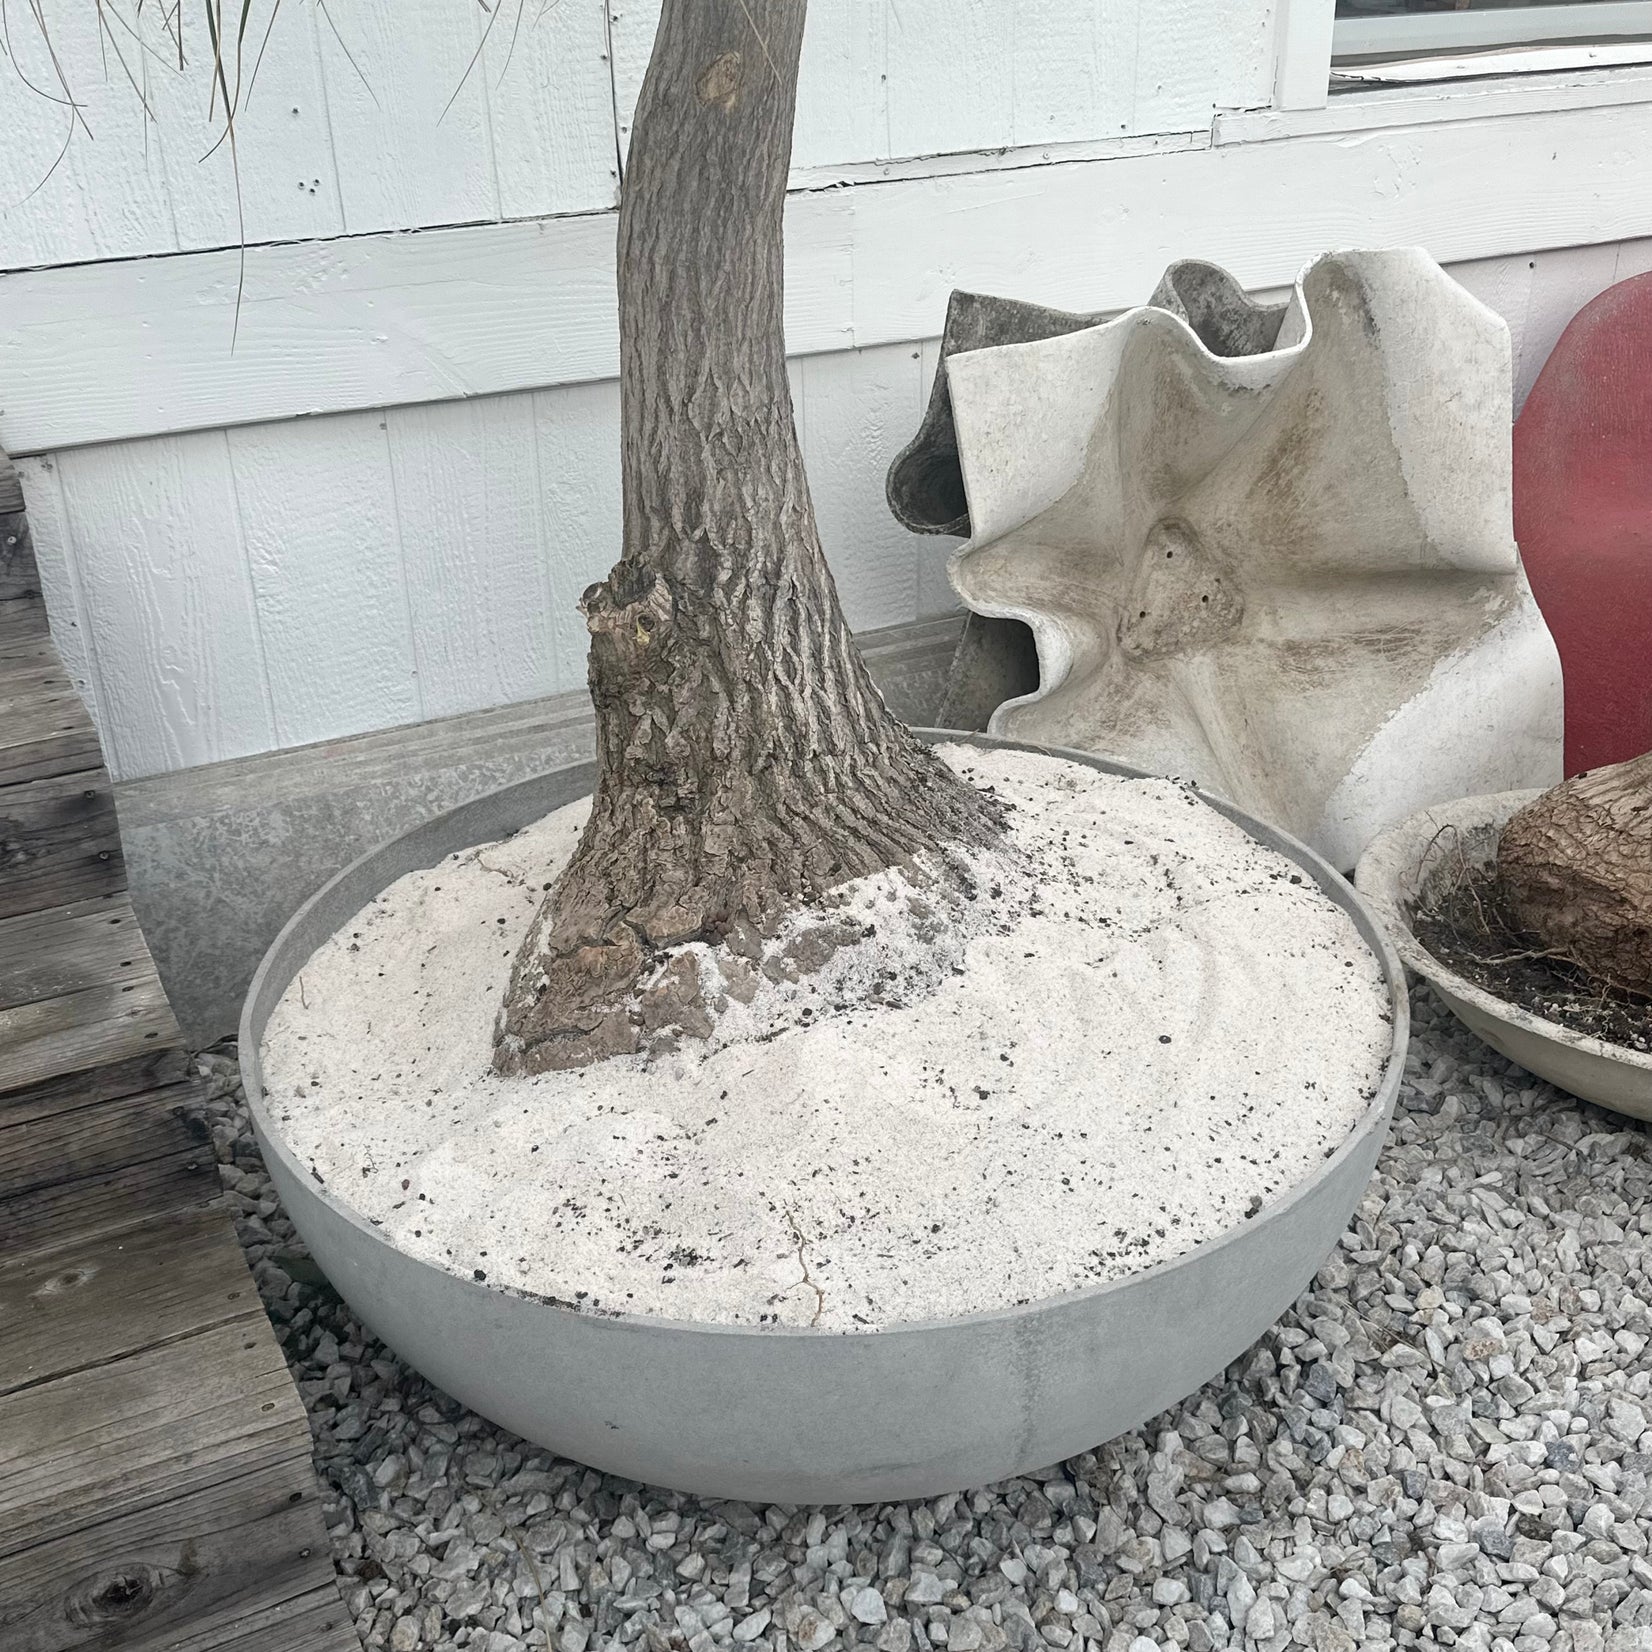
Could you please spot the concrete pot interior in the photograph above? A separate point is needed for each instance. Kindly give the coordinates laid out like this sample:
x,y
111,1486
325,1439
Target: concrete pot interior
x,y
801,1415
1393,871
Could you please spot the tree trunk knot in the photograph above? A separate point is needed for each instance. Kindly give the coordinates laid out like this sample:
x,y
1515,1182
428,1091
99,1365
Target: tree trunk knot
x,y
629,616
719,81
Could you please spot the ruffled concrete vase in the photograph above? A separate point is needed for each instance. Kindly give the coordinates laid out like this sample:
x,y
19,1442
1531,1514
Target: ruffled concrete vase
x,y
1264,547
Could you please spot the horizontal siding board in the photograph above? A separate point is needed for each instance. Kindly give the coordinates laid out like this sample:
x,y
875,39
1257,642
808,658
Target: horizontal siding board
x,y
507,508
128,349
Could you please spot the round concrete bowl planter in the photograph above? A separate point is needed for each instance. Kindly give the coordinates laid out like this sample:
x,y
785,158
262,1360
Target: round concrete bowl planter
x,y
809,1416
1391,874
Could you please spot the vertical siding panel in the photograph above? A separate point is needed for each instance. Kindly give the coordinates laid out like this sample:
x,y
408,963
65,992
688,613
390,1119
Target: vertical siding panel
x,y
54,555
951,86
632,25
159,564
288,187
1120,46
473,551
843,84
1562,283
1057,54
1503,285
106,197
401,163
577,439
1199,56
319,521
861,406
1634,258
551,103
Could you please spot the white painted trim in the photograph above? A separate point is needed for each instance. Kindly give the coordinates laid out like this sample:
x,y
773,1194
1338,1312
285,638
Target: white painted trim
x,y
1302,75
1012,159
1449,31
105,351
1500,64
1403,106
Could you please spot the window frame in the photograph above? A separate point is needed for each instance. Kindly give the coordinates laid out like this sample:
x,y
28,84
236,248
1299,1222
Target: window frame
x,y
1305,45
1412,34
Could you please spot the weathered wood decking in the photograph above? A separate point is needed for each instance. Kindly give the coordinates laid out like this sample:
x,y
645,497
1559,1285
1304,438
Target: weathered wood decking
x,y
156,1488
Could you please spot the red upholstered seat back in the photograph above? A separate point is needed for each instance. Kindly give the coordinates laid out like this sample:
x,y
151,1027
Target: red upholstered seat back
x,y
1583,516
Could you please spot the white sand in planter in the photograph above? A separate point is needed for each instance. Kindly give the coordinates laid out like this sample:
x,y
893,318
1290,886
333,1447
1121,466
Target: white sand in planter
x,y
1171,1026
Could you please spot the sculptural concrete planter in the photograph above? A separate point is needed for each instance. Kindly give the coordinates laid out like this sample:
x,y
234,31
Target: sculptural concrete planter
x,y
1268,548
1395,870
797,1414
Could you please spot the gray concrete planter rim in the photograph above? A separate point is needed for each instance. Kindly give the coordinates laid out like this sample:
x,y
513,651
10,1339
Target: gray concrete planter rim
x,y
799,1415
1388,878
269,983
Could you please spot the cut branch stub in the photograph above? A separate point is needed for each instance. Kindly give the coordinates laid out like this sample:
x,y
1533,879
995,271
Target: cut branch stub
x,y
1576,865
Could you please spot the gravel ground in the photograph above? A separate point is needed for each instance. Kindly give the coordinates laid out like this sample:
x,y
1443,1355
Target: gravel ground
x,y
1446,1441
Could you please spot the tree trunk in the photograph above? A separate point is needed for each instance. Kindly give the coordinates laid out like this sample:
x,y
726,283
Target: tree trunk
x,y
746,763
1576,866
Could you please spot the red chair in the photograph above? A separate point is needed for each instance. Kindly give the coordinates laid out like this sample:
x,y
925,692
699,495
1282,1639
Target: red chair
x,y
1583,516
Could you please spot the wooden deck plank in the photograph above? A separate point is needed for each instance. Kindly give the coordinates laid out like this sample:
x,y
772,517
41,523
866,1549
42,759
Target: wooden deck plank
x,y
83,1029
64,949
59,842
44,727
156,1485
90,1141
109,1297
243,1563
48,1219
22,621
19,577
143,1432
20,645
68,1092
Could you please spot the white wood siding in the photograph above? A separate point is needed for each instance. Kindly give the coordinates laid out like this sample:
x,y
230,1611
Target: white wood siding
x,y
220,594
111,350
322,149
227,576
224,593
345,133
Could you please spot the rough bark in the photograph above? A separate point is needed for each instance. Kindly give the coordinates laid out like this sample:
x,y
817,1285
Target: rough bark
x,y
746,763
1576,865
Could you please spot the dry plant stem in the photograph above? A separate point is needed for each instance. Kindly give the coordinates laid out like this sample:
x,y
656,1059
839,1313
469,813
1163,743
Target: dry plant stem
x,y
745,761
1576,867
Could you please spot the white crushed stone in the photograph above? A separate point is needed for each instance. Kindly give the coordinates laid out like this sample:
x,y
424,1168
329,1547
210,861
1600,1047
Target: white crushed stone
x,y
1157,1028
1447,1441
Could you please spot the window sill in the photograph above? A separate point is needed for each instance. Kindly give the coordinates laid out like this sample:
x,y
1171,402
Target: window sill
x,y
1425,70
1418,104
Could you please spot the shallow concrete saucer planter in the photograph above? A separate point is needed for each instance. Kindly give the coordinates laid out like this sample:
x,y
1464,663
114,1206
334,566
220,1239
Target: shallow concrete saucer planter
x,y
800,1415
1391,874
